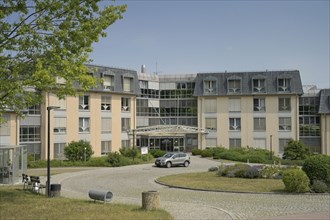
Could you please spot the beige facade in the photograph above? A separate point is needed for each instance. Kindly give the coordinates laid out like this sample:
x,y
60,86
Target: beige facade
x,y
268,137
69,110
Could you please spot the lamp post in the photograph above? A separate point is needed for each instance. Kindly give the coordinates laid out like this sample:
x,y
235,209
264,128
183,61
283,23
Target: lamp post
x,y
271,147
49,108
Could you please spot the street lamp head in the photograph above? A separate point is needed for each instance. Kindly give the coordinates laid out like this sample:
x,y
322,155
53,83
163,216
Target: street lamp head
x,y
52,107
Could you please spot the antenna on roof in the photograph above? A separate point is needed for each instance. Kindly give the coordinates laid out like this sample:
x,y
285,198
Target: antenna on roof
x,y
157,69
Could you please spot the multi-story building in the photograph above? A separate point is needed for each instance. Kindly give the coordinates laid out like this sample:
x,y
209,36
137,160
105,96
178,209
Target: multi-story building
x,y
178,112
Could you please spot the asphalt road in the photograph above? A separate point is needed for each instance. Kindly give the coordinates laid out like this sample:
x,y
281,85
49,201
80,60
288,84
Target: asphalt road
x,y
127,184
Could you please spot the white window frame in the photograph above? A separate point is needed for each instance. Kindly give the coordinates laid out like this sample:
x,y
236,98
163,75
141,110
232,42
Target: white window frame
x,y
284,123
106,125
283,84
125,104
259,105
259,85
84,125
59,125
235,105
234,124
286,101
210,86
234,85
106,103
211,124
108,82
106,147
84,103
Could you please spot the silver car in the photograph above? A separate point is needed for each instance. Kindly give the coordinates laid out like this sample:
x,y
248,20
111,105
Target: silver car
x,y
173,159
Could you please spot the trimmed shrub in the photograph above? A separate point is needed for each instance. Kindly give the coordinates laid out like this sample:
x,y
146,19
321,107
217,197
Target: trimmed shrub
x,y
157,153
196,151
319,186
207,153
318,168
295,180
147,157
231,155
296,150
78,151
116,160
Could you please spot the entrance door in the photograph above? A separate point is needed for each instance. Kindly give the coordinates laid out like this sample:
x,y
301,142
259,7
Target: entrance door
x,y
166,144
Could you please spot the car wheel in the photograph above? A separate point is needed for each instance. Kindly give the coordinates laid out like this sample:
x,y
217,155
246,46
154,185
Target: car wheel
x,y
168,164
186,164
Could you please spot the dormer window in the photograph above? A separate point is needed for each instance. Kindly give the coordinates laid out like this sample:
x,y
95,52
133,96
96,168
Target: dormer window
x,y
128,84
210,86
234,85
259,85
108,82
283,85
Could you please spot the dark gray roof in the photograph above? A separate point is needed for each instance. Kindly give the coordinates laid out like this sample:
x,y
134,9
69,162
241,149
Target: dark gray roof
x,y
324,101
118,74
246,78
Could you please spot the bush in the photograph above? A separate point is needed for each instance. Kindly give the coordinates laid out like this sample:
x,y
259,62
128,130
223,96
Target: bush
x,y
237,170
78,151
319,186
157,153
231,155
196,151
116,160
295,150
131,152
251,173
272,172
213,169
207,153
318,168
147,157
296,180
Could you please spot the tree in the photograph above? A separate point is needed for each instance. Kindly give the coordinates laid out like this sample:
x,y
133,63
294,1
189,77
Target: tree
x,y
78,151
296,150
45,40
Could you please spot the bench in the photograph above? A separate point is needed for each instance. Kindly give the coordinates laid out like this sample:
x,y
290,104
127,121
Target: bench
x,y
33,182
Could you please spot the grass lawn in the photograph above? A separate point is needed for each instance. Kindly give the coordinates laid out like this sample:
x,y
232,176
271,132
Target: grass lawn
x,y
210,181
16,203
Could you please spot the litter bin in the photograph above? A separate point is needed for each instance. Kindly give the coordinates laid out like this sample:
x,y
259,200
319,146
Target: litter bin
x,y
55,190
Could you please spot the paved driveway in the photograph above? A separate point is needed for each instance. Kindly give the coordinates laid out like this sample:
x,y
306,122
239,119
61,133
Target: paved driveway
x,y
128,183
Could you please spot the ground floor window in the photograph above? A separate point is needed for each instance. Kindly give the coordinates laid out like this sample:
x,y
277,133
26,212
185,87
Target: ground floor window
x,y
105,147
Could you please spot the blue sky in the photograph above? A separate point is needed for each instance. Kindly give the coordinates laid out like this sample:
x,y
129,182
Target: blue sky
x,y
178,37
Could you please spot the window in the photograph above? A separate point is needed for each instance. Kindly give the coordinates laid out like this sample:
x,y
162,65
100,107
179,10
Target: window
x,y
59,125
235,143
211,124
125,124
84,125
284,124
125,104
284,104
128,84
5,127
59,151
259,85
84,102
143,84
105,147
34,150
283,85
259,143
29,133
234,85
34,110
210,87
211,142
259,105
210,105
259,124
125,143
106,103
106,125
234,105
234,124
108,82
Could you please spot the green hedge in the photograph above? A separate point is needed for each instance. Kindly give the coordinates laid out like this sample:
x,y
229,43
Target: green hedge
x,y
318,168
295,180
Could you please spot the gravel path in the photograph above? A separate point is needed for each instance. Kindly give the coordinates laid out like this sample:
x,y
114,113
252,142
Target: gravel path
x,y
128,183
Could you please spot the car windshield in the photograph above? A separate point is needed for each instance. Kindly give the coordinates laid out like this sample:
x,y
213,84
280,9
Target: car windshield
x,y
168,155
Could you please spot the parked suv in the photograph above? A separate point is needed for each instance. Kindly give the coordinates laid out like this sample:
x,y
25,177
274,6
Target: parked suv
x,y
173,159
